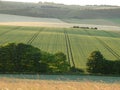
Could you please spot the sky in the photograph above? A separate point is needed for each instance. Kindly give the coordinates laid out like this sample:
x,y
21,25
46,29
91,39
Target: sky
x,y
76,2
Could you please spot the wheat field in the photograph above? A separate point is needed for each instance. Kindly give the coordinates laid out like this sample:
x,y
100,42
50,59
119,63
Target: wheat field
x,y
25,84
77,44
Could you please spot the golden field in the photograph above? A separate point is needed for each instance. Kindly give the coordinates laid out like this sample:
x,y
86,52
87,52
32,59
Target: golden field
x,y
25,84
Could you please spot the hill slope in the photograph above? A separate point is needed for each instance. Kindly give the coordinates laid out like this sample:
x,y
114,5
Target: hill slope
x,y
59,10
79,15
77,44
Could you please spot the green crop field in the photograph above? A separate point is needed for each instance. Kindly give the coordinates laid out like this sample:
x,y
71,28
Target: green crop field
x,y
111,22
115,20
77,44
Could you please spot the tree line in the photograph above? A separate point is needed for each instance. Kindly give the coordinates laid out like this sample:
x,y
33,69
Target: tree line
x,y
23,58
97,64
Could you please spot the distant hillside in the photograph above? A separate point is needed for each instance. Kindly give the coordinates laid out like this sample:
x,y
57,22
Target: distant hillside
x,y
49,10
17,18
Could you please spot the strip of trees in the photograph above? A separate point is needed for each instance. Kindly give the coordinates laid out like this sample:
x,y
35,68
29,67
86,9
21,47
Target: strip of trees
x,y
23,58
85,27
97,64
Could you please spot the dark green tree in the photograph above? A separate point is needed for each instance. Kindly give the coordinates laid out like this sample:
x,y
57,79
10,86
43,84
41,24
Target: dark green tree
x,y
25,58
19,58
108,67
61,63
116,67
95,63
7,54
28,57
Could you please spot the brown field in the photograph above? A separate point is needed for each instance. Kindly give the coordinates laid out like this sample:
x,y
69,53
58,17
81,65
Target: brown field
x,y
59,25
20,84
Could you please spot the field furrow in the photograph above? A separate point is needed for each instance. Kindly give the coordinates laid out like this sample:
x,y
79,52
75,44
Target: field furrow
x,y
111,50
70,49
77,44
67,47
33,37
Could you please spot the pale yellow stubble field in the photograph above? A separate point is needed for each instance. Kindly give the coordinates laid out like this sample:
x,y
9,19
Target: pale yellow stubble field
x,y
24,84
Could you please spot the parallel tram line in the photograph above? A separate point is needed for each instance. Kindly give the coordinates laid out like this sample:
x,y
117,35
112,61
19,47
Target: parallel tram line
x,y
33,37
117,56
69,48
109,49
71,51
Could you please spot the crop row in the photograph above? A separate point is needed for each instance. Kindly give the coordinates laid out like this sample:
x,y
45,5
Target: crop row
x,y
109,49
106,46
77,44
3,33
69,49
33,37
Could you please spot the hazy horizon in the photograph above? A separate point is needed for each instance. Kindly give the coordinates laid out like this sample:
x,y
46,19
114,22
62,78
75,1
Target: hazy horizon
x,y
75,2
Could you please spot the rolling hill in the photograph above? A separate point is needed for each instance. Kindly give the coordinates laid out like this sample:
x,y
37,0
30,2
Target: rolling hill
x,y
99,15
59,10
77,44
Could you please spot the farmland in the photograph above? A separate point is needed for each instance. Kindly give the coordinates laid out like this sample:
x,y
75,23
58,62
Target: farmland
x,y
20,84
16,20
58,82
111,22
50,27
77,44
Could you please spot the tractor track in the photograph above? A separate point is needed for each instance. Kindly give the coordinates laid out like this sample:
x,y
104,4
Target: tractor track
x,y
117,56
33,37
66,41
109,49
69,49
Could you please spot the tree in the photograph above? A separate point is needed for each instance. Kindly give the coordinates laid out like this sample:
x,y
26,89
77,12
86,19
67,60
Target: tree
x,y
61,63
56,62
7,56
116,67
108,67
28,59
19,58
95,62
